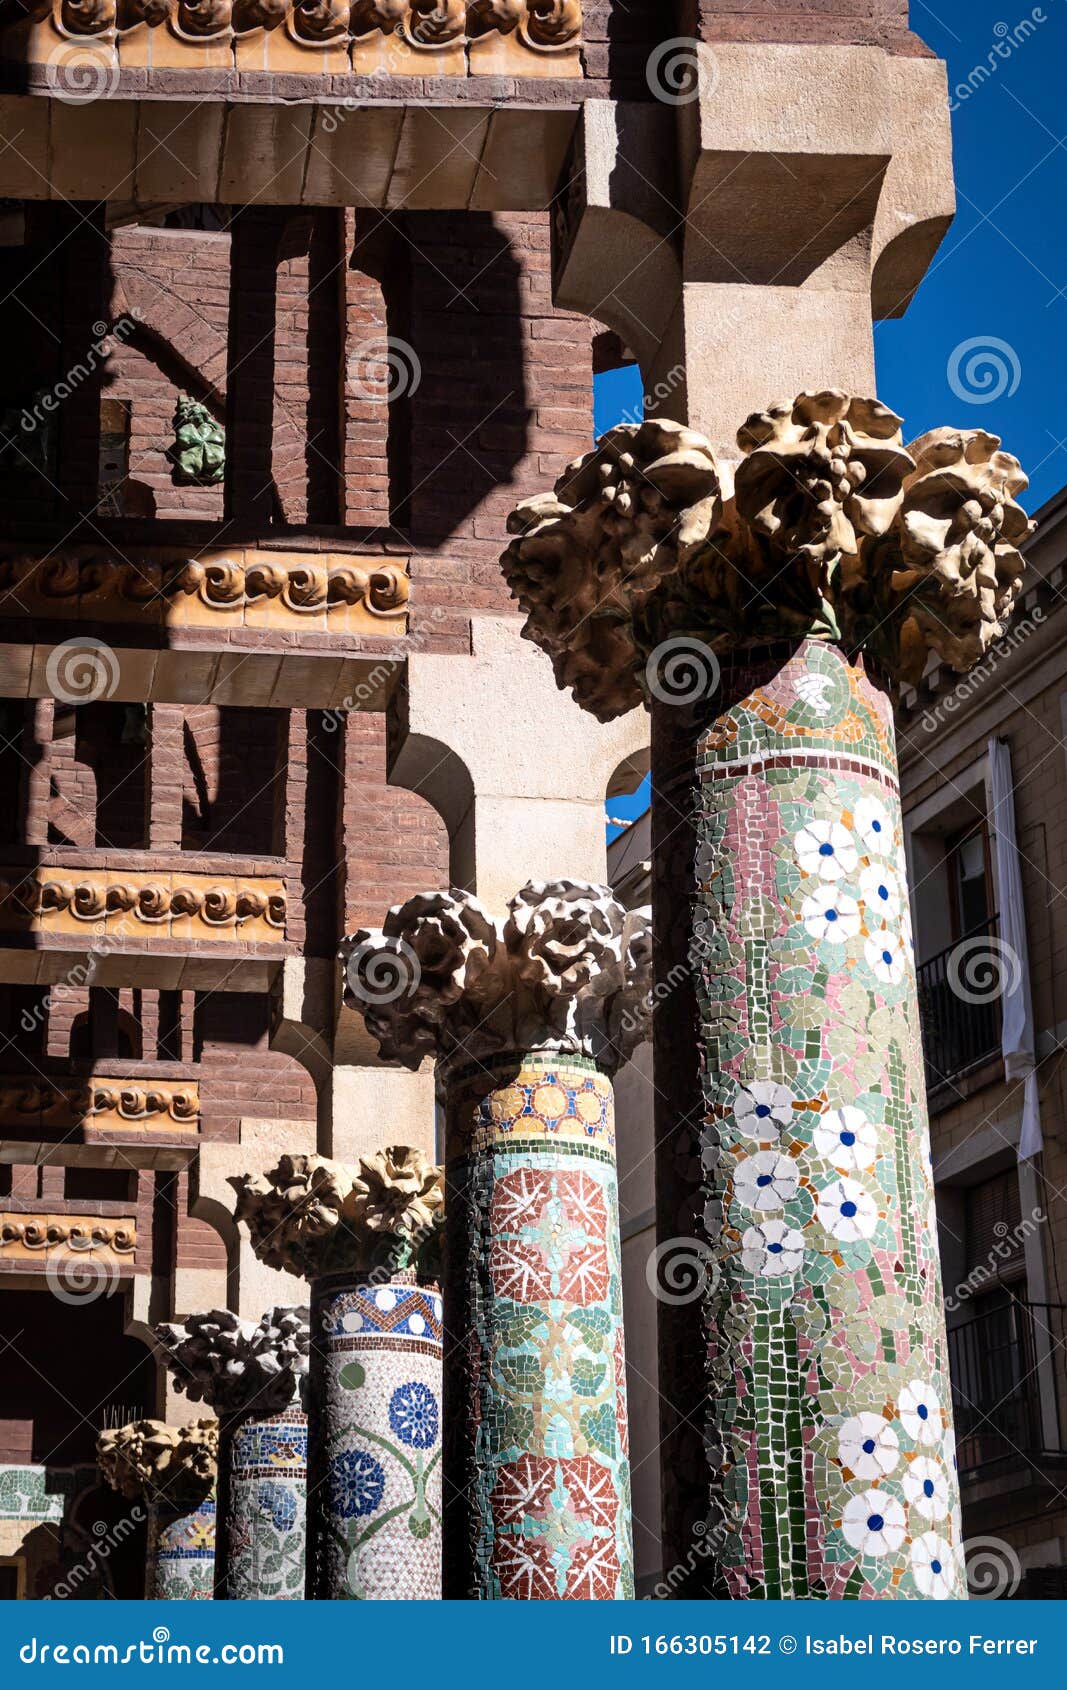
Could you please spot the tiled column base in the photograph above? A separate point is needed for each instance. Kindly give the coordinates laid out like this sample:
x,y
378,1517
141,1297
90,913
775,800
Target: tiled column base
x,y
263,1502
181,1553
810,1350
375,1460
538,1504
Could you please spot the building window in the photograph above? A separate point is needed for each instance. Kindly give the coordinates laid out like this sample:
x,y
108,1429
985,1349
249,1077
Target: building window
x,y
970,880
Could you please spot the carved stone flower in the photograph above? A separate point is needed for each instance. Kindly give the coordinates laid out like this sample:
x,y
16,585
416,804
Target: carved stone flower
x,y
563,934
820,472
958,537
237,1366
292,1211
149,1457
397,1191
432,951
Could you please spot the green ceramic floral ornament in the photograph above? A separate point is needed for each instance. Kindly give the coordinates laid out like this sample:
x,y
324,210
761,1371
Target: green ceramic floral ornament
x,y
199,450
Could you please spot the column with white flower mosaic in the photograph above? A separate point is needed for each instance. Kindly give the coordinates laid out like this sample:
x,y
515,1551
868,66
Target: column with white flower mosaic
x,y
807,1442
253,1376
368,1240
529,1018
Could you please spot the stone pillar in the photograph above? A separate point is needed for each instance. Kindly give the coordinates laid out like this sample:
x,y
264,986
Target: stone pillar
x,y
807,1438
529,1019
368,1240
173,1468
253,1377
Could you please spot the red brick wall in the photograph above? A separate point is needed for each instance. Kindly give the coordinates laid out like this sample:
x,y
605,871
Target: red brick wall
x,y
880,23
239,1074
98,785
392,843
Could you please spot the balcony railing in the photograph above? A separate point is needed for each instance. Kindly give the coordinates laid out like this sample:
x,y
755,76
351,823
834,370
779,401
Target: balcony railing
x,y
959,1004
1006,1366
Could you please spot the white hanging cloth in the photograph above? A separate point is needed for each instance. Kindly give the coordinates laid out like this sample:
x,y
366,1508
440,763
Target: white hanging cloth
x,y
1018,1044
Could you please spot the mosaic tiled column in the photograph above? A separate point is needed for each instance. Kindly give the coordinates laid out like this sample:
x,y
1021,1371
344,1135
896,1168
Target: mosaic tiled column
x,y
252,1375
537,1485
174,1469
368,1239
807,1438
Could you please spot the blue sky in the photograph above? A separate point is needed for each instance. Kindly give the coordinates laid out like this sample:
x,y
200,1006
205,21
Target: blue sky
x,y
996,281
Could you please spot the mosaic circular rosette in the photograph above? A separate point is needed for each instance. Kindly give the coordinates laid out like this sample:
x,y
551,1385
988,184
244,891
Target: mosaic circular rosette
x,y
265,1501
181,1553
831,1467
538,1413
376,1392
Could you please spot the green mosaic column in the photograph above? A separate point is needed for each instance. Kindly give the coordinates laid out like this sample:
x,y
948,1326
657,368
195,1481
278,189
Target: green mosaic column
x,y
537,1488
807,1439
181,1552
253,1376
538,1507
824,1462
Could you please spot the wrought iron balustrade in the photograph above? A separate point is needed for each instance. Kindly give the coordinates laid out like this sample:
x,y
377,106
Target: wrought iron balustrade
x,y
1006,1365
959,1004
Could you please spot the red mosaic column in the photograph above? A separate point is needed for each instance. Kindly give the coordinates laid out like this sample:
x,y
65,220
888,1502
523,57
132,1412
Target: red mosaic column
x,y
807,1433
537,1491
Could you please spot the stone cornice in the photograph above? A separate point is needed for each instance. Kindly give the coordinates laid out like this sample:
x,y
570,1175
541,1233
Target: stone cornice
x,y
219,588
568,970
237,1367
148,1458
311,1216
138,905
384,38
640,569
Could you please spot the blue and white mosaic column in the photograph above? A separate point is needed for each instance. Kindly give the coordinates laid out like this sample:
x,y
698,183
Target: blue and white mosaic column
x,y
181,1552
175,1469
375,1395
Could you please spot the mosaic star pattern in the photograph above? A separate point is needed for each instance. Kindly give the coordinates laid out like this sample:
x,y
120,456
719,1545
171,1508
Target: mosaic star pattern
x,y
542,1510
181,1553
376,1391
267,1508
829,1448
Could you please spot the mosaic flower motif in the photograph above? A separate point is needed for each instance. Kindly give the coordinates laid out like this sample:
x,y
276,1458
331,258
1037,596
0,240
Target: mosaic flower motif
x,y
881,891
766,1180
847,1211
926,1488
772,1248
934,1566
873,1523
885,955
872,823
919,1408
413,1415
826,849
278,1503
761,1108
868,1446
831,915
846,1138
357,1484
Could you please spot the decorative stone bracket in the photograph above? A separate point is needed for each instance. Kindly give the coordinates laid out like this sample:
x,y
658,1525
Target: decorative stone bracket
x,y
641,567
371,37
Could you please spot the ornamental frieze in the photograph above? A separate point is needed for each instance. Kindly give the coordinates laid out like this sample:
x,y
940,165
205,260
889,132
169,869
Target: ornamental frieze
x,y
540,38
32,1238
249,909
245,588
100,1104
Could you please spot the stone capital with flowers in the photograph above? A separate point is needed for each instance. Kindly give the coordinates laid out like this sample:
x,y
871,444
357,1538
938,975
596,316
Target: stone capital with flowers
x,y
172,1464
311,1216
568,969
832,530
237,1367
